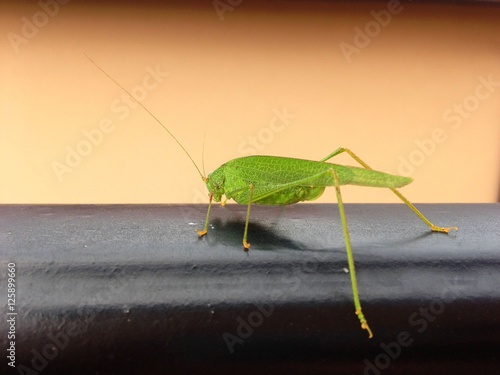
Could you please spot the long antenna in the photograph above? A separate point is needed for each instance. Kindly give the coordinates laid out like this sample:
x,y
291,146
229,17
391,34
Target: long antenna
x,y
203,153
147,110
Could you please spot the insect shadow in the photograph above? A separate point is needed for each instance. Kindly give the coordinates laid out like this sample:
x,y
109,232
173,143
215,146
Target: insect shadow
x,y
228,233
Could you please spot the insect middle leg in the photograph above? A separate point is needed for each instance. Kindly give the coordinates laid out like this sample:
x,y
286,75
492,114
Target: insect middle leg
x,y
433,227
246,245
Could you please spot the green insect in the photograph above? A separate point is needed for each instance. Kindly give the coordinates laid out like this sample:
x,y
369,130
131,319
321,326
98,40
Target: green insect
x,y
280,181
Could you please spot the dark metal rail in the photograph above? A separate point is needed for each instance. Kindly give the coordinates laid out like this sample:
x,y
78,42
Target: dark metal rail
x,y
130,289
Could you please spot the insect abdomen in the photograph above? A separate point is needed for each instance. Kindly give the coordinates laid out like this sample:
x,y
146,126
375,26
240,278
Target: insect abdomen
x,y
292,195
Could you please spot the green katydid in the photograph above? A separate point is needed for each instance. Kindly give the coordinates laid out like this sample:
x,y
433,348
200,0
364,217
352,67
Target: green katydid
x,y
280,181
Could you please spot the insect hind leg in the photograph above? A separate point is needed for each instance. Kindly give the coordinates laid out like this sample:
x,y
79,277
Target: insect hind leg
x,y
350,258
433,227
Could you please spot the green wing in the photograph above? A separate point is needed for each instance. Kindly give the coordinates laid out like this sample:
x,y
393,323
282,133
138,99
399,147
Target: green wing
x,y
278,180
282,181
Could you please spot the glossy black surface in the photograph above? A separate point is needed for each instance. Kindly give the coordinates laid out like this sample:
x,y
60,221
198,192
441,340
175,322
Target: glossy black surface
x,y
131,289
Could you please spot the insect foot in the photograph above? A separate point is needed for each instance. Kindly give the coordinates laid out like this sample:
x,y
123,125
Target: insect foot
x,y
364,323
201,233
246,245
443,230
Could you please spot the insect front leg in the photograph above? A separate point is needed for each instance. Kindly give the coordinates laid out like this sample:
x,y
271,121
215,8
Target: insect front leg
x,y
201,233
350,258
433,227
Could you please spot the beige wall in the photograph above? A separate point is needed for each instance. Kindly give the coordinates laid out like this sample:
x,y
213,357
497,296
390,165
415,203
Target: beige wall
x,y
424,74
